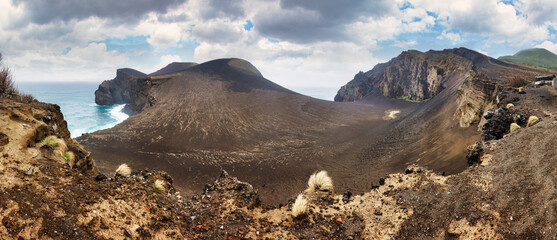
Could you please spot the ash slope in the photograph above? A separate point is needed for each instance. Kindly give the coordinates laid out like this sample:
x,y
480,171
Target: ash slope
x,y
224,115
451,89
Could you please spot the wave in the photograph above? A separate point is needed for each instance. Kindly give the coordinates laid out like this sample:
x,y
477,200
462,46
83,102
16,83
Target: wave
x,y
106,117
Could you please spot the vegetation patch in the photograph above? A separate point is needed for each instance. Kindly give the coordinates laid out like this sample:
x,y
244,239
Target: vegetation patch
x,y
407,98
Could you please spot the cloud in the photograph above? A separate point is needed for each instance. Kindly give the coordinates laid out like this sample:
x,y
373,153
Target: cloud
x,y
42,12
404,44
315,20
89,63
500,22
218,31
165,36
549,45
454,37
222,9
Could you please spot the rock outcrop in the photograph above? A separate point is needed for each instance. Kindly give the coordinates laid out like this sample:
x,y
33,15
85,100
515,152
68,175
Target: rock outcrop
x,y
117,90
132,87
414,75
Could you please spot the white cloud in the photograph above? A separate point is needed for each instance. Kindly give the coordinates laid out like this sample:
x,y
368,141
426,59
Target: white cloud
x,y
454,37
549,45
165,36
494,19
404,44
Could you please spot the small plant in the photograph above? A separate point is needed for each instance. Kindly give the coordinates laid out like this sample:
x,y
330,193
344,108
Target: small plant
x,y
123,170
300,206
517,81
159,185
320,181
70,157
532,120
514,127
57,144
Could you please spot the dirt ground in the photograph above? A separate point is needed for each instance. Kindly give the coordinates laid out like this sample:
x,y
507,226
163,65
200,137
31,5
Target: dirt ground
x,y
511,194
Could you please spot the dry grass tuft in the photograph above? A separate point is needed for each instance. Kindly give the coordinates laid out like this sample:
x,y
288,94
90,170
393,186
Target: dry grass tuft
x,y
300,207
320,181
57,144
517,81
159,185
532,120
123,170
514,127
510,105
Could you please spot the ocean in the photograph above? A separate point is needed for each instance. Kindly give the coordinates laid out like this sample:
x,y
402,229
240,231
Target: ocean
x,y
77,102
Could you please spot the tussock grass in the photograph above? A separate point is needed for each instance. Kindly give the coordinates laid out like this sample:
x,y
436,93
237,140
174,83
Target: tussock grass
x,y
320,181
300,207
123,170
57,144
70,158
159,185
532,120
514,127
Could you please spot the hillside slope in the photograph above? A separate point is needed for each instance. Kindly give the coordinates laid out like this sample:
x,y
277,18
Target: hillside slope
x,y
535,56
509,194
224,114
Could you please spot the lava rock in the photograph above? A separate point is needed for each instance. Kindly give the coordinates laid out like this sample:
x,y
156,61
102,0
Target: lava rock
x,y
474,153
381,181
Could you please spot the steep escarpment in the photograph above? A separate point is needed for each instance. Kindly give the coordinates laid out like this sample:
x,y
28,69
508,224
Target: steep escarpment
x,y
418,76
117,90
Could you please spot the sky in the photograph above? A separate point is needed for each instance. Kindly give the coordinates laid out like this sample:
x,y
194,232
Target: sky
x,y
296,43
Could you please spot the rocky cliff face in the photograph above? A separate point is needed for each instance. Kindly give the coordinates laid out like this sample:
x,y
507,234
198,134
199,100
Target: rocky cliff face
x,y
475,96
413,75
132,87
117,90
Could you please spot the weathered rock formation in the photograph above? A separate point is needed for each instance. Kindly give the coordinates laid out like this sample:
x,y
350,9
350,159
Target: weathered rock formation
x,y
131,87
117,90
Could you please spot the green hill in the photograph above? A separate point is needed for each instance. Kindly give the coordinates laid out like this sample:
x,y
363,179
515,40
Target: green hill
x,y
535,56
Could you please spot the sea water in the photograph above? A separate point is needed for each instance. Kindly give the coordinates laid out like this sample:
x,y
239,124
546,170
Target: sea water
x,y
77,103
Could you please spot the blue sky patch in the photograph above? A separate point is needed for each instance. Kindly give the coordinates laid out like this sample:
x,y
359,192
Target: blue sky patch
x,y
129,44
248,26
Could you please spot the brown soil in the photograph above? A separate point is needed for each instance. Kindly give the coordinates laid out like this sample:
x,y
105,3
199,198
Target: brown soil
x,y
221,116
510,195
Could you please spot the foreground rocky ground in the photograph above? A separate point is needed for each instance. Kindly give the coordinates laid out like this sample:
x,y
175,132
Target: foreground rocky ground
x,y
509,192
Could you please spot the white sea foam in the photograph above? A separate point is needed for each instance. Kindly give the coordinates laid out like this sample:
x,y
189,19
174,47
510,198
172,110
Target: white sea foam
x,y
117,113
